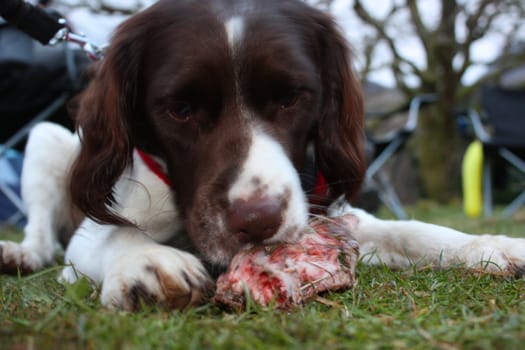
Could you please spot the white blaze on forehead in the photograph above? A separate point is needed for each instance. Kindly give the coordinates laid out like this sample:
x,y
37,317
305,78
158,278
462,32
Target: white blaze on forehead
x,y
234,30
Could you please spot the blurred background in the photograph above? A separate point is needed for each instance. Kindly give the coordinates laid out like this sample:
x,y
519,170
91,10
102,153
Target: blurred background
x,y
434,55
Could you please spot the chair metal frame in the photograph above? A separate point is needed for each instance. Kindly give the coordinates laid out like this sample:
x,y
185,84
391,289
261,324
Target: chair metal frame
x,y
14,140
376,176
503,151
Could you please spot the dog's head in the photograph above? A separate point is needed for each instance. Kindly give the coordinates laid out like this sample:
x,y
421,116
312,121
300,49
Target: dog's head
x,y
229,94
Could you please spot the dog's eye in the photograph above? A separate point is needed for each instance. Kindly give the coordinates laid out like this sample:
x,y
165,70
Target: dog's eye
x,y
181,111
286,100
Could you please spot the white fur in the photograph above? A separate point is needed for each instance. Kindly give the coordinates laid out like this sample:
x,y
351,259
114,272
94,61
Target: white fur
x,y
404,243
48,153
268,163
116,257
234,30
147,201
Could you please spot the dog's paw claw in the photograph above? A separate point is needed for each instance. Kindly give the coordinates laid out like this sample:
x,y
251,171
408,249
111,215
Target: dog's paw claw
x,y
517,270
167,278
16,259
495,254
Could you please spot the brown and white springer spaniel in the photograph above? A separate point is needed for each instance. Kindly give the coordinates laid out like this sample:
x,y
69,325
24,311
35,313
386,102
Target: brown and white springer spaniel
x,y
198,123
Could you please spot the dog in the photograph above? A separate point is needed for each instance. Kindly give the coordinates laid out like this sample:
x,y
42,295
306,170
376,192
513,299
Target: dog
x,y
194,138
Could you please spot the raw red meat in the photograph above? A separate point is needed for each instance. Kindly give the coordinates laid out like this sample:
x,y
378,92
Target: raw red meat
x,y
289,274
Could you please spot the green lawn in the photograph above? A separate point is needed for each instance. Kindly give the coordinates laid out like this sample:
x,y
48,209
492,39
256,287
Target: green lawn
x,y
416,309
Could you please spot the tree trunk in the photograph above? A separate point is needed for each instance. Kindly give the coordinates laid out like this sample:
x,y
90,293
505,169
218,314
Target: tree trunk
x,y
438,139
438,147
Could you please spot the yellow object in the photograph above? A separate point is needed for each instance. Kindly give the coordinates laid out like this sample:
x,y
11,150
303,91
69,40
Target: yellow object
x,y
472,173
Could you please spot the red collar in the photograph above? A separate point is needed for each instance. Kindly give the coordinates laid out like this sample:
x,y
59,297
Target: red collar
x,y
319,198
154,166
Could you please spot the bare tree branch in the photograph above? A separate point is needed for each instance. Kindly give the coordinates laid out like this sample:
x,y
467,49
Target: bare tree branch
x,y
368,53
476,30
440,44
443,73
505,64
473,20
380,27
419,26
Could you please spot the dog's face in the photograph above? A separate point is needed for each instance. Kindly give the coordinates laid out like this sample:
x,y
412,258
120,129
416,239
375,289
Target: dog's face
x,y
230,94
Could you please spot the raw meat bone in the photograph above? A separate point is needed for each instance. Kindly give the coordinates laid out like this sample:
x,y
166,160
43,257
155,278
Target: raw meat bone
x,y
289,274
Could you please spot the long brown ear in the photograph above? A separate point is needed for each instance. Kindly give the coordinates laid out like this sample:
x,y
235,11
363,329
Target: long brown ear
x,y
104,114
340,138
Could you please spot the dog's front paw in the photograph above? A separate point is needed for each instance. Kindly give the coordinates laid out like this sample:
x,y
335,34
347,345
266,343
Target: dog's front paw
x,y
14,257
160,276
496,254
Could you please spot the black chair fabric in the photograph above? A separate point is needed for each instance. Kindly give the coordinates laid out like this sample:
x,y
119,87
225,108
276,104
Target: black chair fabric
x,y
32,76
505,112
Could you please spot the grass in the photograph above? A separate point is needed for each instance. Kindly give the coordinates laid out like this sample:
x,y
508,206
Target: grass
x,y
413,309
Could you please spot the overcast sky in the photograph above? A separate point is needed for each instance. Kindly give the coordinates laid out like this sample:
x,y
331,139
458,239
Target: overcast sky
x,y
99,27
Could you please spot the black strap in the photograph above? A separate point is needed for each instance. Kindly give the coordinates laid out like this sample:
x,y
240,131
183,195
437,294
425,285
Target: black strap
x,y
30,19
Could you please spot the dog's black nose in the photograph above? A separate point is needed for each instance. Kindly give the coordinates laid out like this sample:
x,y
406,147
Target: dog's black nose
x,y
255,219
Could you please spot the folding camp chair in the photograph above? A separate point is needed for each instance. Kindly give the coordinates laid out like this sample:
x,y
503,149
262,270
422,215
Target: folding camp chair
x,y
35,80
387,146
23,106
504,111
